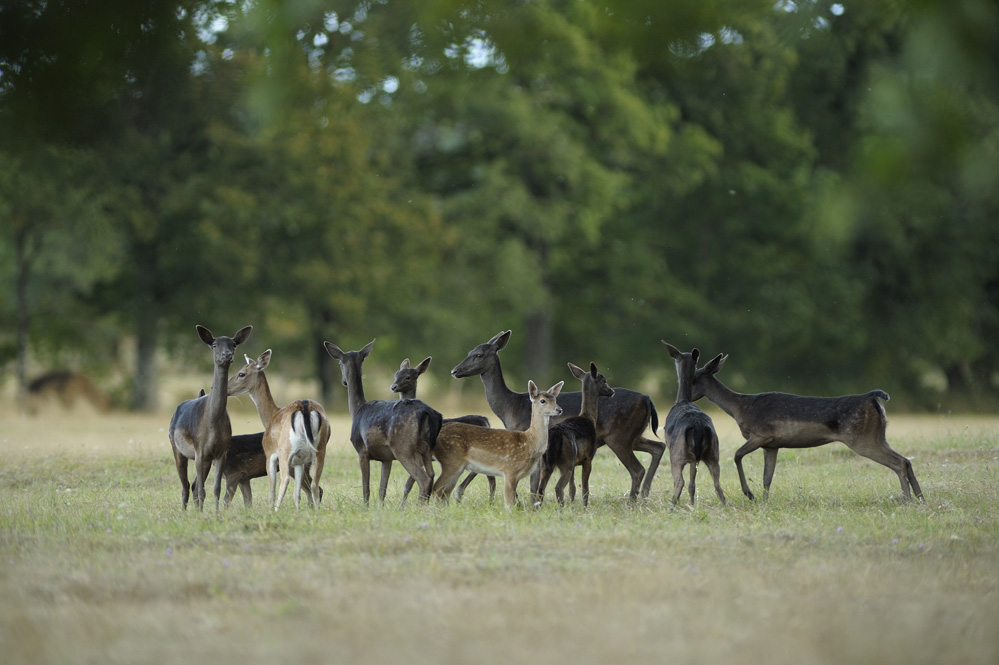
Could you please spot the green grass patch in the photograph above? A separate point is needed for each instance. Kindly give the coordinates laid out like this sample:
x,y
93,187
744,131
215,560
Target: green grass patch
x,y
100,564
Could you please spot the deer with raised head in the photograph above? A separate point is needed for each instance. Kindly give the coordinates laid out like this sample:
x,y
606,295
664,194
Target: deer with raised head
x,y
780,420
573,441
497,452
200,429
294,438
384,431
404,382
622,420
690,435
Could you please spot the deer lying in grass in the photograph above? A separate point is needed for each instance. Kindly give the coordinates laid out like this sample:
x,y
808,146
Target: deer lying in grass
x,y
622,422
690,435
404,429
298,433
200,429
495,452
404,383
778,420
573,442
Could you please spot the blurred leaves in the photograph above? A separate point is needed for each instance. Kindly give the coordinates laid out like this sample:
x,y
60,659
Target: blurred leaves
x,y
811,187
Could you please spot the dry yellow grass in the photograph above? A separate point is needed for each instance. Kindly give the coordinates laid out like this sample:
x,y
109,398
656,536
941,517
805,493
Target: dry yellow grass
x,y
101,565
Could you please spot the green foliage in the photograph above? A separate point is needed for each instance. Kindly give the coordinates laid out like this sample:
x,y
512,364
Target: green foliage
x,y
810,187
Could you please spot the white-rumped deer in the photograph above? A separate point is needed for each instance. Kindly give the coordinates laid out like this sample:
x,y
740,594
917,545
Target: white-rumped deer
x,y
497,452
621,425
384,431
295,432
573,441
690,435
200,429
404,382
779,420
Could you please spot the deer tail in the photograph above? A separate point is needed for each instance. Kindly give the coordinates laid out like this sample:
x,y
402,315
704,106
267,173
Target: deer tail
x,y
654,418
303,423
696,438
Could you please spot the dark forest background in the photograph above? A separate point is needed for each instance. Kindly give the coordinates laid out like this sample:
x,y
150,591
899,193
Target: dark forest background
x,y
811,187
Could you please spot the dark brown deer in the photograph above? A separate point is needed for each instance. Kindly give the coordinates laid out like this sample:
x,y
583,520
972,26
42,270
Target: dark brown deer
x,y
497,452
621,425
779,420
404,383
279,430
200,429
384,431
690,435
573,441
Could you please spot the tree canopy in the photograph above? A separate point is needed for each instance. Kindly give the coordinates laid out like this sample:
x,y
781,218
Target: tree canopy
x,y
811,187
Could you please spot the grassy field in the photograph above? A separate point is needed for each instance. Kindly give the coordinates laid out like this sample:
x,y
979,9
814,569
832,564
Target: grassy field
x,y
99,563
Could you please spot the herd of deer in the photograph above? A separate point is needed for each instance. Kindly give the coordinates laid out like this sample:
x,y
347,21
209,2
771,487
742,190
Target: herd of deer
x,y
544,430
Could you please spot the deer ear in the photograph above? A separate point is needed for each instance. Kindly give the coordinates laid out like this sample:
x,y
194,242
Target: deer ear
x,y
264,359
404,364
673,351
206,335
714,364
367,349
423,366
333,350
532,390
556,389
695,354
500,340
242,335
593,370
577,372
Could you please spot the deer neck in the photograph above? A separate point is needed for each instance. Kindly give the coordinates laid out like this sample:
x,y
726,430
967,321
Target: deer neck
x,y
537,434
588,406
218,397
499,398
262,399
685,392
355,391
724,397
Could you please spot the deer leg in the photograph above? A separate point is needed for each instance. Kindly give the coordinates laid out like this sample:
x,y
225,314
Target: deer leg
x,y
201,468
185,484
715,470
219,464
693,475
879,451
244,488
510,491
492,487
408,487
272,476
460,492
444,483
634,467
656,449
299,469
744,450
677,470
316,493
365,463
585,479
565,475
414,465
544,476
769,464
572,484
383,482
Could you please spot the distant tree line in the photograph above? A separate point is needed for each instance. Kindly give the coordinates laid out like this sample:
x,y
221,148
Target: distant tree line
x,y
811,187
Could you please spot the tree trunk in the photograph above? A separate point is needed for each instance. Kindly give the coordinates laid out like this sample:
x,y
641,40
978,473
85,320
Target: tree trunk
x,y
327,369
23,317
144,393
539,345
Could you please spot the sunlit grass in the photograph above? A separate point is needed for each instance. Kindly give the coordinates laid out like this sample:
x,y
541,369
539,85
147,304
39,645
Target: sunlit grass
x,y
101,564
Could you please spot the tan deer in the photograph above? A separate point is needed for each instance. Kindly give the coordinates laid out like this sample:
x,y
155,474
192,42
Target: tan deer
x,y
497,452
289,432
